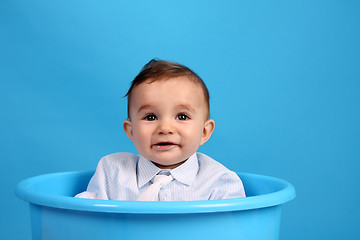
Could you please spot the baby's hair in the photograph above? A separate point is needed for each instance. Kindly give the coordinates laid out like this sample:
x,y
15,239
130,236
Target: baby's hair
x,y
160,70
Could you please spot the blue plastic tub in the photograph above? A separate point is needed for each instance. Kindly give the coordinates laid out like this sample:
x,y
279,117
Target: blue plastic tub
x,y
55,214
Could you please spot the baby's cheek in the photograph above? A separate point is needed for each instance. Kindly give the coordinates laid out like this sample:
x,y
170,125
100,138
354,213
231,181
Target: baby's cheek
x,y
190,133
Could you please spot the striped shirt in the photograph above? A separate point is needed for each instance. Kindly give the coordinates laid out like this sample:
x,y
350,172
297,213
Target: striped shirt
x,y
123,176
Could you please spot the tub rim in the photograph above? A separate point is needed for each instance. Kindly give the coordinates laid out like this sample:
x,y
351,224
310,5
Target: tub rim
x,y
24,192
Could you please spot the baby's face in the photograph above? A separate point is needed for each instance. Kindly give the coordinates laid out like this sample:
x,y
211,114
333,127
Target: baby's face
x,y
168,120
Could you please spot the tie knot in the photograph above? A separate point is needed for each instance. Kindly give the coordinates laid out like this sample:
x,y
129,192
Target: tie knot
x,y
152,192
163,180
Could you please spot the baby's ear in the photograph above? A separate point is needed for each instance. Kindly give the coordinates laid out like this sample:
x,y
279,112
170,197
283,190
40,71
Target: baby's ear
x,y
128,129
209,127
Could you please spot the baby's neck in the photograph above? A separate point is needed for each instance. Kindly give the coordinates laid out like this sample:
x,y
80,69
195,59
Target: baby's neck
x,y
173,166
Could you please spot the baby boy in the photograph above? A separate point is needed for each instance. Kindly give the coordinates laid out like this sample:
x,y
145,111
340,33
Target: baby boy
x,y
168,119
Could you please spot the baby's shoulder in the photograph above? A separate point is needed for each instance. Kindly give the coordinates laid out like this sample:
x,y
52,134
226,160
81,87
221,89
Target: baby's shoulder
x,y
210,166
119,159
208,162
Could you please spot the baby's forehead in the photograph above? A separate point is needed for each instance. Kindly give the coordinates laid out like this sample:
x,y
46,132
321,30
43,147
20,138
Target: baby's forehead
x,y
179,79
179,86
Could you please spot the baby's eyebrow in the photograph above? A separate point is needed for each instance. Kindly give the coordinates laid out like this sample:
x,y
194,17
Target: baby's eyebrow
x,y
144,107
180,107
185,106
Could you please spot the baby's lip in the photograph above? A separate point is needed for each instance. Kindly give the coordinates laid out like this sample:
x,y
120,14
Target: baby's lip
x,y
164,146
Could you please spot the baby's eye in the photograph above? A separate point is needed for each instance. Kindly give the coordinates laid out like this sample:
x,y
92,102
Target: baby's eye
x,y
182,117
150,117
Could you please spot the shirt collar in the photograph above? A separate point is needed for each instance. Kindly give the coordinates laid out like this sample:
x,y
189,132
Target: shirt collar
x,y
185,173
146,171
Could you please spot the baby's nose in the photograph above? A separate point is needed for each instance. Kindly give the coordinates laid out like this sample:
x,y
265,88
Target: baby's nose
x,y
165,127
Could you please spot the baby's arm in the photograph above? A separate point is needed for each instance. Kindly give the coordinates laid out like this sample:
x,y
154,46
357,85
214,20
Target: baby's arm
x,y
230,186
86,194
98,183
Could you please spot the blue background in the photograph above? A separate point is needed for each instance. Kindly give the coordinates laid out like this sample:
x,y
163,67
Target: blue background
x,y
284,78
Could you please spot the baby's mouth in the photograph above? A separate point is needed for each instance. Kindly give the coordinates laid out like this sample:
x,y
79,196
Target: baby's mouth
x,y
164,143
164,146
